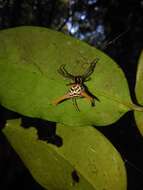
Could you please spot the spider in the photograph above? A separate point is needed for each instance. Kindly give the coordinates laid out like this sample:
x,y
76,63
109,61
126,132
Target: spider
x,y
77,87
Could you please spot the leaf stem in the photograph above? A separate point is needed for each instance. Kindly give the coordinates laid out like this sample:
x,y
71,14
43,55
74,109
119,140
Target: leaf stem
x,y
137,108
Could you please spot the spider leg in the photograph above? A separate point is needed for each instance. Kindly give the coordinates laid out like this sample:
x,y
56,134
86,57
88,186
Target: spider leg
x,y
75,104
61,99
70,84
65,73
88,97
90,69
88,79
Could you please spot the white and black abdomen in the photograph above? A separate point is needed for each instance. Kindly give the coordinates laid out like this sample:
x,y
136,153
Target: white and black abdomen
x,y
75,90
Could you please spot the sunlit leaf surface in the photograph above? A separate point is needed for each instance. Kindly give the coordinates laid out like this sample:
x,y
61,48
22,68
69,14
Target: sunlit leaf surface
x,y
85,161
139,93
29,81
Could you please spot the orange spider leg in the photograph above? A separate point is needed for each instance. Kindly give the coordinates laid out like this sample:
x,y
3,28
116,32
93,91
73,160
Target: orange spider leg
x,y
87,96
59,100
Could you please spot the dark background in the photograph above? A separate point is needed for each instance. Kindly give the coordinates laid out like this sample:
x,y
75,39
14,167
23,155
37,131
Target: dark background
x,y
98,22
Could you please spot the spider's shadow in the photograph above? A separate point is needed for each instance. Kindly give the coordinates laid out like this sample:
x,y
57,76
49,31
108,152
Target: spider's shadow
x,y
91,95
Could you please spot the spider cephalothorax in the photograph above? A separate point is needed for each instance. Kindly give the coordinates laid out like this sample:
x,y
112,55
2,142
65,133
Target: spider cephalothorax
x,y
77,87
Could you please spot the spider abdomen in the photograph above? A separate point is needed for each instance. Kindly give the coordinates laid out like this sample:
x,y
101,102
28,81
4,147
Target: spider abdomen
x,y
75,90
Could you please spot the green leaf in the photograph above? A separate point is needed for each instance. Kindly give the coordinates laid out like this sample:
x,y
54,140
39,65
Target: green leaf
x,y
85,161
139,93
29,81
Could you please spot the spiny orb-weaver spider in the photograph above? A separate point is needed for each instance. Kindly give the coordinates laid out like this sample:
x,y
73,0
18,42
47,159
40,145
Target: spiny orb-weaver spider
x,y
77,87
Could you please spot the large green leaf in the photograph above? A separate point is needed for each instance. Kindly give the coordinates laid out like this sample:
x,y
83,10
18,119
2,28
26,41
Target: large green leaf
x,y
29,81
139,93
85,161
